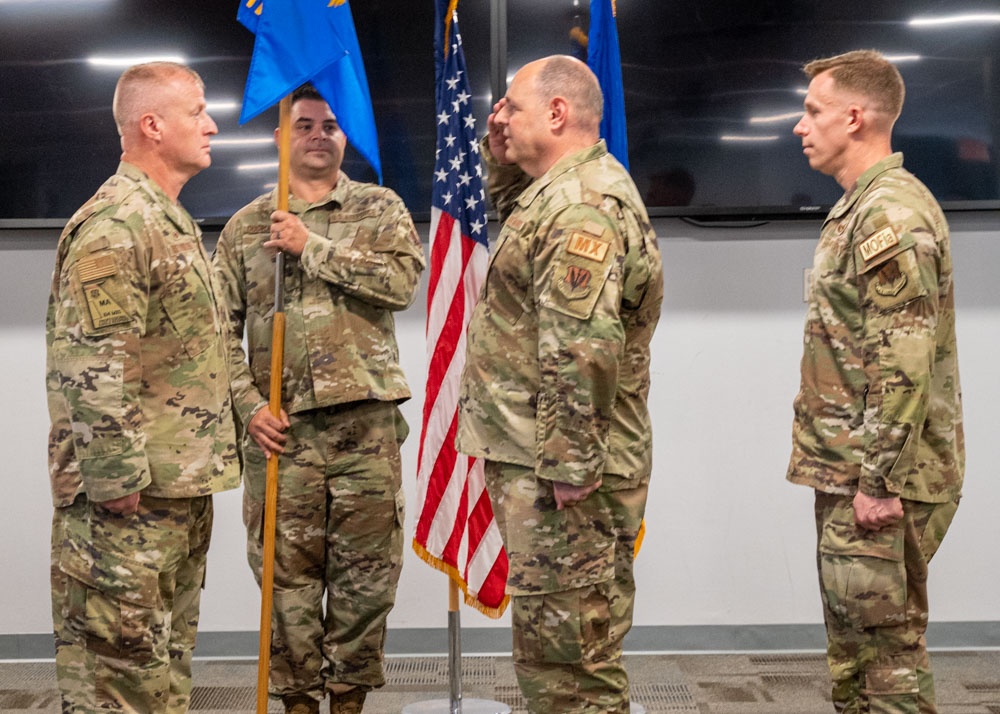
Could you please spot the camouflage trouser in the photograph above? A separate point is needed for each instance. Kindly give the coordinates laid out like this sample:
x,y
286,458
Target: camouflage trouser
x,y
338,537
571,588
125,597
874,589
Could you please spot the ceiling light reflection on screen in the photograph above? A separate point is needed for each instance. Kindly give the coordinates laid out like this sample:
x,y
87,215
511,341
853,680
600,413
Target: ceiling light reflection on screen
x,y
243,141
776,118
222,105
272,165
749,139
983,18
124,62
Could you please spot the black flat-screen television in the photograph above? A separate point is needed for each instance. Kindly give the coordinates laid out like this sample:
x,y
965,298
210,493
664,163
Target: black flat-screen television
x,y
713,89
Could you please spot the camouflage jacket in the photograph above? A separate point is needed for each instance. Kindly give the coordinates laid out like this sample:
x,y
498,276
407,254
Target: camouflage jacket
x,y
557,368
361,262
138,389
880,404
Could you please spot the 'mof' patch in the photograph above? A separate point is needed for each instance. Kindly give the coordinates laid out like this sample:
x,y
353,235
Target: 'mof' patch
x,y
878,243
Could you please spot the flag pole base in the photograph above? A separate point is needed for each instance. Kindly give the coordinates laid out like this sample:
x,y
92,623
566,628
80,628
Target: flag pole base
x,y
466,706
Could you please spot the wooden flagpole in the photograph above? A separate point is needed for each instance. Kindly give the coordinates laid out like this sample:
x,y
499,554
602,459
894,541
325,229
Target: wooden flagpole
x,y
274,404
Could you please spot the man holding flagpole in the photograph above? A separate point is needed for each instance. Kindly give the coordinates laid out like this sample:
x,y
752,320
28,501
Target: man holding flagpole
x,y
353,258
554,391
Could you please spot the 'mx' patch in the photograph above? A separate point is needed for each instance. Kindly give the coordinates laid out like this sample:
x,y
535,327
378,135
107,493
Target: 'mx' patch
x,y
104,309
878,243
588,247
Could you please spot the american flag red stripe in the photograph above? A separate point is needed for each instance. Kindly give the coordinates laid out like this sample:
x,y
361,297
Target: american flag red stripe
x,y
456,531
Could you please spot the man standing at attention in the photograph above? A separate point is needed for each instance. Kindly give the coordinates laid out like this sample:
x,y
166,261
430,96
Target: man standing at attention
x,y
142,429
878,419
554,391
353,258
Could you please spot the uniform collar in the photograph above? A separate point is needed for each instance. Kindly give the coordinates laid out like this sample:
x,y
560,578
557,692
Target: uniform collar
x,y
173,210
562,166
338,196
865,180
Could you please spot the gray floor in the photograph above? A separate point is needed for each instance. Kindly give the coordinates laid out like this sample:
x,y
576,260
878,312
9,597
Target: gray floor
x,y
968,682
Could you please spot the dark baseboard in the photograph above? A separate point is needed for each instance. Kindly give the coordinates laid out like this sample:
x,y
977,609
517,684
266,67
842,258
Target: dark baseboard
x,y
497,640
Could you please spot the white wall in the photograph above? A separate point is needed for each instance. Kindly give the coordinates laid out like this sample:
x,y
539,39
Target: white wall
x,y
729,542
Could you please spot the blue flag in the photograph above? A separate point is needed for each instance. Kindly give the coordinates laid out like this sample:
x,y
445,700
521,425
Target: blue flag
x,y
604,58
301,41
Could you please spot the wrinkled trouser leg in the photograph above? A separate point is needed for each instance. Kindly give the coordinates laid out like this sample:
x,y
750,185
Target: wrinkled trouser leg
x,y
874,589
572,589
126,592
338,543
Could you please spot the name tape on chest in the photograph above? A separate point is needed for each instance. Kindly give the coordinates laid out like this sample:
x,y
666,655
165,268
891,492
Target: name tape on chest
x,y
878,243
588,247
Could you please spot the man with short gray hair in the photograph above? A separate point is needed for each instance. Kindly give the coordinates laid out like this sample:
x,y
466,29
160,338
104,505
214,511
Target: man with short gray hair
x,y
142,430
554,391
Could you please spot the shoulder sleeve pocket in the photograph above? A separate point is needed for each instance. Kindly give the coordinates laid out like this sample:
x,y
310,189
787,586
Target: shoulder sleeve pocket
x,y
895,281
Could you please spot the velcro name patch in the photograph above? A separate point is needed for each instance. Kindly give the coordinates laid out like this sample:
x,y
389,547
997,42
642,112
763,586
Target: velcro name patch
x,y
588,247
878,243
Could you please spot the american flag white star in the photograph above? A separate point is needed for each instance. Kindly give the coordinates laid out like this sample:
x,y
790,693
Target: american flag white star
x,y
458,172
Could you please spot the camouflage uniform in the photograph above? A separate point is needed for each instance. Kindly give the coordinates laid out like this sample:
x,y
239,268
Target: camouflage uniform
x,y
139,400
880,410
340,512
554,389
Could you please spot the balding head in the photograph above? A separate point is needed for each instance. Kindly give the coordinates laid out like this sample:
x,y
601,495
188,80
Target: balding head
x,y
552,108
568,77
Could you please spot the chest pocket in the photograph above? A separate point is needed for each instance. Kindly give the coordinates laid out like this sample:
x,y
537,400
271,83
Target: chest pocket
x,y
358,229
187,301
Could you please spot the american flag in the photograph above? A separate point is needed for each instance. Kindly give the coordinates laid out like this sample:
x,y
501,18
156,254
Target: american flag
x,y
456,532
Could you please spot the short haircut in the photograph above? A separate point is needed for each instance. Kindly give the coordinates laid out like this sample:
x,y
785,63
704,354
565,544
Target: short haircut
x,y
868,73
307,91
565,76
133,94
